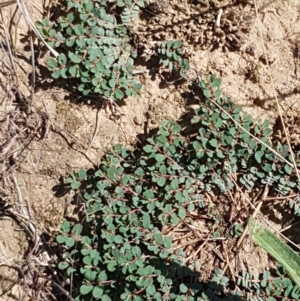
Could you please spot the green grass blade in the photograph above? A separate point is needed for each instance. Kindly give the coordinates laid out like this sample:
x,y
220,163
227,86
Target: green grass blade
x,y
280,251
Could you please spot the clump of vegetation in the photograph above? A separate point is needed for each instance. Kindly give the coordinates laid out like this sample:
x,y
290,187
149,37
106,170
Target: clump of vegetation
x,y
96,46
171,56
120,252
284,254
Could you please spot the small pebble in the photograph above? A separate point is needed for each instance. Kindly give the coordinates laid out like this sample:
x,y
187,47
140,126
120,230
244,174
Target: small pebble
x,y
138,120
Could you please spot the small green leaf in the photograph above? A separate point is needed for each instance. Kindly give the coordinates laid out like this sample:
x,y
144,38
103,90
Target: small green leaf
x,y
74,58
102,276
170,43
182,213
217,94
177,44
78,29
52,63
160,158
70,242
161,182
105,298
112,83
183,288
220,154
77,229
90,275
94,253
86,289
70,17
63,265
176,129
216,83
167,242
82,174
288,169
85,240
62,58
174,219
159,239
118,239
97,292
258,156
206,93
149,149
213,142
65,227
84,17
56,74
61,239
70,271
217,120
73,70
63,73
119,94
70,42
75,185
150,290
112,266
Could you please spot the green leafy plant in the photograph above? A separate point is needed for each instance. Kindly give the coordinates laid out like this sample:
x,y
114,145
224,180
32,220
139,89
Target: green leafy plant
x,y
95,48
75,180
171,56
118,251
266,287
284,254
130,9
236,230
224,149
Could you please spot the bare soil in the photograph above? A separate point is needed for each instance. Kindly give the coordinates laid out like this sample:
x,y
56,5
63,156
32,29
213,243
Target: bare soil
x,y
235,53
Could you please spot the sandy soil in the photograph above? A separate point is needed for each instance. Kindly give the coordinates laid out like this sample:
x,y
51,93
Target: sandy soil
x,y
237,56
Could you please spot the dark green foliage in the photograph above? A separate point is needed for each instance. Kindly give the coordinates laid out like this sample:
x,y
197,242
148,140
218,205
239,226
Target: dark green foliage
x,y
122,253
94,47
171,56
225,149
